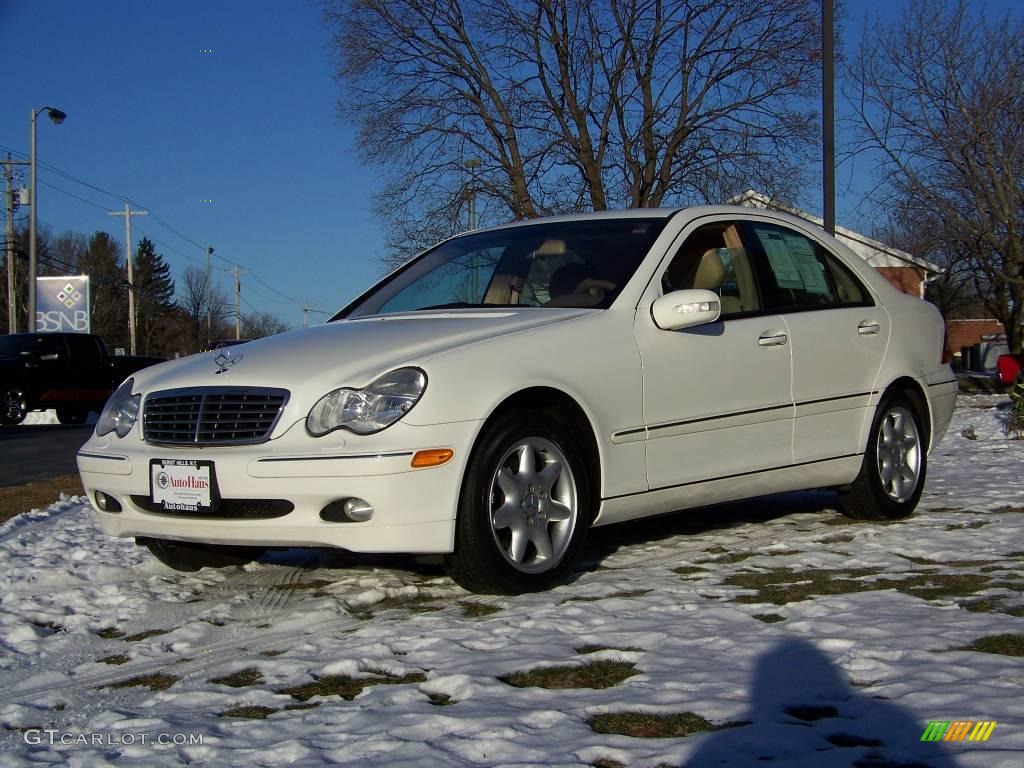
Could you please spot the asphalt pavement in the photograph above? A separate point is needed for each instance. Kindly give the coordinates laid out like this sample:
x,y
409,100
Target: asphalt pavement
x,y
39,451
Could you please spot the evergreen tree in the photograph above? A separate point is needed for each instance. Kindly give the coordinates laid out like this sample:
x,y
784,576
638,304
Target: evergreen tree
x,y
108,289
154,297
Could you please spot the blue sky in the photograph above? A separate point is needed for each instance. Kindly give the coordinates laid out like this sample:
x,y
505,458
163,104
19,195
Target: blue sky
x,y
250,125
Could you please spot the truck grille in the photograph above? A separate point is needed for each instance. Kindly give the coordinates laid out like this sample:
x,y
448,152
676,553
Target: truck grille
x,y
212,415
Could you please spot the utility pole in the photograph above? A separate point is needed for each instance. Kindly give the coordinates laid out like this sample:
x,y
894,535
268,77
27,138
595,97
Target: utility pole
x,y
128,213
12,283
305,315
237,271
209,297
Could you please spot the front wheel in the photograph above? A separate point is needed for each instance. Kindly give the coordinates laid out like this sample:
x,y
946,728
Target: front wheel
x,y
892,476
189,557
13,406
525,507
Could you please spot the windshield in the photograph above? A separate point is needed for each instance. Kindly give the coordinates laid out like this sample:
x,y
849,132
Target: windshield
x,y
552,264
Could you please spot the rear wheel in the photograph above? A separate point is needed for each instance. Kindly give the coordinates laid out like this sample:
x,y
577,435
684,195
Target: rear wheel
x,y
892,476
72,415
525,507
13,406
189,557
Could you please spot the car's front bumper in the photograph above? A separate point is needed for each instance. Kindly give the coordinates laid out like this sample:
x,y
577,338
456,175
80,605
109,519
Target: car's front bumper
x,y
414,509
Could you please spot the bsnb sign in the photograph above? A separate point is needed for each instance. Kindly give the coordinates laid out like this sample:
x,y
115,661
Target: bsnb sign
x,y
62,304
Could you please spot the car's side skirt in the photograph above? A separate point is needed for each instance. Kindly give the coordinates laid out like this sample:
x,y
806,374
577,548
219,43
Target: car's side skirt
x,y
813,474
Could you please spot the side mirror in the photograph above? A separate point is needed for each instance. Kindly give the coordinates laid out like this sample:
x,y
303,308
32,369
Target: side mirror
x,y
685,309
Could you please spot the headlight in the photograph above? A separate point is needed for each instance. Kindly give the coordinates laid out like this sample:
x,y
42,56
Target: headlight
x,y
370,409
120,412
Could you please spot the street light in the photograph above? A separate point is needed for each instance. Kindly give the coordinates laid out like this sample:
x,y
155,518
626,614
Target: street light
x,y
57,117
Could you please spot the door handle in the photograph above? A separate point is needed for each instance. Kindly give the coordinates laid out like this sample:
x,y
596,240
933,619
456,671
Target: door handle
x,y
869,328
772,339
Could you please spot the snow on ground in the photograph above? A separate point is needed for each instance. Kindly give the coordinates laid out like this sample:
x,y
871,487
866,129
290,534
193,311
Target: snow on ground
x,y
41,417
804,639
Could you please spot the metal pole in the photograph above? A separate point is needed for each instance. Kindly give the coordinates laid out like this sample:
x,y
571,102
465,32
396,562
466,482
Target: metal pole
x,y
33,205
828,160
238,302
12,310
209,296
305,315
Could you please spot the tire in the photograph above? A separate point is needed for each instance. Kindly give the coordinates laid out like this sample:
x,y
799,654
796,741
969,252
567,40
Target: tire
x,y
188,557
525,507
13,406
895,466
72,415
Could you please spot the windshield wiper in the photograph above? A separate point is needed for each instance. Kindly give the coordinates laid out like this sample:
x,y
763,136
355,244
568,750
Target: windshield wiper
x,y
452,305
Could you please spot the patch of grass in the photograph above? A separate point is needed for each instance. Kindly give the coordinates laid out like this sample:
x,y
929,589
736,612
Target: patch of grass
x,y
1017,610
962,526
731,557
240,679
347,687
47,625
418,603
985,605
38,494
585,649
949,563
440,699
473,610
117,658
781,585
849,740
837,538
607,762
597,674
769,618
155,682
249,712
689,570
812,713
146,635
307,705
609,596
110,633
648,725
1005,645
272,654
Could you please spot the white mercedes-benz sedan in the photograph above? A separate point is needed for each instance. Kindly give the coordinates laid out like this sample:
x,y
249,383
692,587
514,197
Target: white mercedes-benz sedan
x,y
505,391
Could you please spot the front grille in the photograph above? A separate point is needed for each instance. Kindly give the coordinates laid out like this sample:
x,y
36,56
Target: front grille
x,y
227,509
212,415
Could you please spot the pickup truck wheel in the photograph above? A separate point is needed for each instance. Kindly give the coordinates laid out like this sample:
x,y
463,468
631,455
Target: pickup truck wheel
x,y
72,415
189,557
13,406
892,476
524,509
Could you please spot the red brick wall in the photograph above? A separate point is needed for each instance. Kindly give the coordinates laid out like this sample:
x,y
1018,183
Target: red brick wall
x,y
907,279
964,333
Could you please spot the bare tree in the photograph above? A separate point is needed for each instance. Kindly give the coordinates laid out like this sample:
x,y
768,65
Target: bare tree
x,y
260,324
572,105
939,99
193,304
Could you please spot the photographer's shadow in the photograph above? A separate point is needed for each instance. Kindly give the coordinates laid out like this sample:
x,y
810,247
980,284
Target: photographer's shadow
x,y
804,713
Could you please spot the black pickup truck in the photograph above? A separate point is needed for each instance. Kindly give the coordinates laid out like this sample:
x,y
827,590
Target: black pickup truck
x,y
72,373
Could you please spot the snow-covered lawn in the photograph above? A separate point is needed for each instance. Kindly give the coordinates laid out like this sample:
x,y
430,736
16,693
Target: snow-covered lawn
x,y
792,637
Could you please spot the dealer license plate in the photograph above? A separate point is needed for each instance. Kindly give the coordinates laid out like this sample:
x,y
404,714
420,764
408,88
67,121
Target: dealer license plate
x,y
183,485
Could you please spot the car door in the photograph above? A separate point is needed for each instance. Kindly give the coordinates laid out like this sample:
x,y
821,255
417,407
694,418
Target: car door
x,y
838,335
716,397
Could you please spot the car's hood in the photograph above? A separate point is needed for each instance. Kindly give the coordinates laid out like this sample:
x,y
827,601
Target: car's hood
x,y
346,352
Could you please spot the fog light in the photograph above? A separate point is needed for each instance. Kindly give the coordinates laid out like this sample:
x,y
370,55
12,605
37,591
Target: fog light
x,y
107,503
358,510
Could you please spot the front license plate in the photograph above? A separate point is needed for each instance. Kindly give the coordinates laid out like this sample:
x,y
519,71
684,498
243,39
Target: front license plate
x,y
183,485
